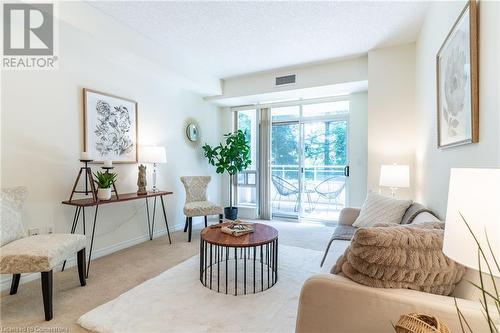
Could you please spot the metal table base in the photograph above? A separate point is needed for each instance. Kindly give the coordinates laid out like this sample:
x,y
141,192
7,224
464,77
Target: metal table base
x,y
239,270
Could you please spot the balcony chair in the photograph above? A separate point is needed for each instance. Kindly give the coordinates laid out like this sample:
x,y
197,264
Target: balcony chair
x,y
285,189
330,189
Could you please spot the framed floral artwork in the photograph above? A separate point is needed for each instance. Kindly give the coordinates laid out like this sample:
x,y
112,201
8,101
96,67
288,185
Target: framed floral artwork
x,y
457,82
110,127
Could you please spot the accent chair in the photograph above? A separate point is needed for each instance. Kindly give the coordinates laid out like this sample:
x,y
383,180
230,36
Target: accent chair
x,y
39,253
197,203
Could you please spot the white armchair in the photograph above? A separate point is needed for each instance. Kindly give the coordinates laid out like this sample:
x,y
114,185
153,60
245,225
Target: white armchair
x,y
41,253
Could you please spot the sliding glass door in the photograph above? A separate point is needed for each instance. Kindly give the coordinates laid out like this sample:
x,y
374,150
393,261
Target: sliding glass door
x,y
285,161
309,160
324,169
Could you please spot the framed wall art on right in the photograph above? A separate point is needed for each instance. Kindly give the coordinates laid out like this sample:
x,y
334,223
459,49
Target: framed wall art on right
x,y
457,82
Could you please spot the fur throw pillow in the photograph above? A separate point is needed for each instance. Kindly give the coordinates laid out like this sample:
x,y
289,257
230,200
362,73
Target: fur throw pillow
x,y
402,256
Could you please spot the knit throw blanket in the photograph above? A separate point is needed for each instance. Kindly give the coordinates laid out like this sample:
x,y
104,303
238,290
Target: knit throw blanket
x,y
402,256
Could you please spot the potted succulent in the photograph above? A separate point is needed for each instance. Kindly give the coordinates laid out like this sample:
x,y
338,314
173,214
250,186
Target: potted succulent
x,y
104,181
231,157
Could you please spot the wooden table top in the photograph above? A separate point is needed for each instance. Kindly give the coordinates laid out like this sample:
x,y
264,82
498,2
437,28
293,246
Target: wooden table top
x,y
122,197
262,234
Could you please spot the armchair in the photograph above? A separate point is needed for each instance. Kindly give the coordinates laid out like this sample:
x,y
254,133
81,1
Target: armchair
x,y
40,253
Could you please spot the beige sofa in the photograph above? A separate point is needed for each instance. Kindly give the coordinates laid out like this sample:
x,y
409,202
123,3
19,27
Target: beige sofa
x,y
333,303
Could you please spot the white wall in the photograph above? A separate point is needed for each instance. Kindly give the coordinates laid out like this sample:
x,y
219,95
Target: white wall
x,y
433,164
391,112
42,129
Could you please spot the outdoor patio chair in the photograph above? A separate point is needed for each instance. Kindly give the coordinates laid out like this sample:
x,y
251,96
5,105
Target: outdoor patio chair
x,y
330,189
285,189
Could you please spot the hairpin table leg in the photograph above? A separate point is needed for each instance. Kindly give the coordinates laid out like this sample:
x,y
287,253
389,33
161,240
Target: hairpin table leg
x,y
92,240
165,217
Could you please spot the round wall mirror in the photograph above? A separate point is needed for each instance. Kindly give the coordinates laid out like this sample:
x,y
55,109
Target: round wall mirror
x,y
192,132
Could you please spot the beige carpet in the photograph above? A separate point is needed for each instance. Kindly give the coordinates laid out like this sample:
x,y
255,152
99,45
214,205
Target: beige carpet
x,y
115,274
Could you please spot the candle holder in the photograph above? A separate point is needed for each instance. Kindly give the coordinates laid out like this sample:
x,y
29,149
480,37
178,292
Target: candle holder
x,y
107,170
89,181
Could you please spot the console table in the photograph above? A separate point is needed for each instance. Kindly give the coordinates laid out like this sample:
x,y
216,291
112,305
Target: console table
x,y
81,204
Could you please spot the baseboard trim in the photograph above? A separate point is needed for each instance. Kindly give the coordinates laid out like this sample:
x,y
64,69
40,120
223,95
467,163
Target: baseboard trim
x,y
5,284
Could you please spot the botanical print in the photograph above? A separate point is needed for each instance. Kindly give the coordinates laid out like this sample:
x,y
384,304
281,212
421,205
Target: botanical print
x,y
113,130
111,127
455,106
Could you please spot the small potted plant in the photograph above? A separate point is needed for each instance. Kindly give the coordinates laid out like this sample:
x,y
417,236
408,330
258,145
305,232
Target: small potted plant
x,y
233,157
104,181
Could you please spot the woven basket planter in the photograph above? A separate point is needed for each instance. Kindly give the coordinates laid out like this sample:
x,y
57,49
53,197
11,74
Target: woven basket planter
x,y
420,323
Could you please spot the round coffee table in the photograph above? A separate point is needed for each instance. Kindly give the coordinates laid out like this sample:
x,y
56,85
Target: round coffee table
x,y
239,265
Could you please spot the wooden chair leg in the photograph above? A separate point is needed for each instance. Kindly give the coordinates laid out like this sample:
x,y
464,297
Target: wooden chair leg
x,y
206,223
47,294
221,218
186,224
190,228
80,257
15,283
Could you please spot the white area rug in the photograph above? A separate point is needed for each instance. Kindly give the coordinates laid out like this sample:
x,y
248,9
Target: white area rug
x,y
176,301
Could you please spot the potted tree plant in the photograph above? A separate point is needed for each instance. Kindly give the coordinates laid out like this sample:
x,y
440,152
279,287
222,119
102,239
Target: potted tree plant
x,y
104,181
233,157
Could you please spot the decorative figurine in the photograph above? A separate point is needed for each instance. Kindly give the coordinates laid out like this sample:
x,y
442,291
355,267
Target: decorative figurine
x,y
141,180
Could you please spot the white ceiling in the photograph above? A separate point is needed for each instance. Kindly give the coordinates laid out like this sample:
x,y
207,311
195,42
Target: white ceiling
x,y
225,39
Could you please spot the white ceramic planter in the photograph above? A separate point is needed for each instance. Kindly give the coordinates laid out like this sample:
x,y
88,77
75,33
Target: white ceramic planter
x,y
104,193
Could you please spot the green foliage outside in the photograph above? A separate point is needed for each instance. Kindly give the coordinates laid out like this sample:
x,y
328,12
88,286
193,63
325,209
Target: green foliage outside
x,y
325,145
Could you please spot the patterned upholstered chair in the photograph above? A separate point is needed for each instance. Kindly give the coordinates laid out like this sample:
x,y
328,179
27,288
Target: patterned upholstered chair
x,y
40,253
196,201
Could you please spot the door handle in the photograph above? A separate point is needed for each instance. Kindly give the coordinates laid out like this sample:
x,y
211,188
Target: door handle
x,y
346,171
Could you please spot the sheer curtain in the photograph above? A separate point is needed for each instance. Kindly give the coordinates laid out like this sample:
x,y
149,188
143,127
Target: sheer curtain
x,y
265,164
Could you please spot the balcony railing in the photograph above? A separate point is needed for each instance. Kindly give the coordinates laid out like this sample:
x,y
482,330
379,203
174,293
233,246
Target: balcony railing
x,y
322,194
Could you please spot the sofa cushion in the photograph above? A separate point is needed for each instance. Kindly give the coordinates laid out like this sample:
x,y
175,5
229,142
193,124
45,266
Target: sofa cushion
x,y
412,212
381,209
39,253
402,256
11,224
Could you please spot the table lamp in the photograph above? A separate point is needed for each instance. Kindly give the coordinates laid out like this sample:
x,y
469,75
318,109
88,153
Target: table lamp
x,y
394,176
154,155
475,195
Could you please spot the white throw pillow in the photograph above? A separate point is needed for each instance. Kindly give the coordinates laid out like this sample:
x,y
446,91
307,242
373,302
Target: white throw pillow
x,y
11,224
381,209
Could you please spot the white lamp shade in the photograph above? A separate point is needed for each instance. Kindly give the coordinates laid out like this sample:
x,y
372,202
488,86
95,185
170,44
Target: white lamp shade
x,y
475,194
153,154
394,175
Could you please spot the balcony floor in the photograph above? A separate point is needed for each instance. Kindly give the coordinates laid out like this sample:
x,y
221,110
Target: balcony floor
x,y
323,211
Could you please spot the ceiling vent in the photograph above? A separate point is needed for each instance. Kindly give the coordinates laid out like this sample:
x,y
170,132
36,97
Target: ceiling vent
x,y
287,79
